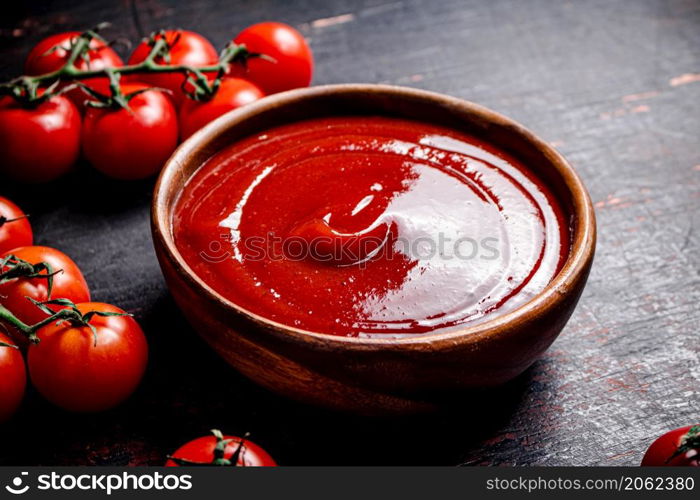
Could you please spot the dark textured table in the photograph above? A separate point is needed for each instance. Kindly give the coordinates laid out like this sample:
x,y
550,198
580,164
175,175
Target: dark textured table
x,y
614,85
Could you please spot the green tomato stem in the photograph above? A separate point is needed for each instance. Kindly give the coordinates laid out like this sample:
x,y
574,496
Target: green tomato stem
x,y
9,318
29,331
68,72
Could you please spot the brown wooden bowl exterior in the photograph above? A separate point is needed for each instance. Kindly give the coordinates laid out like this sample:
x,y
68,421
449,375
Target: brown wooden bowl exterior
x,y
376,376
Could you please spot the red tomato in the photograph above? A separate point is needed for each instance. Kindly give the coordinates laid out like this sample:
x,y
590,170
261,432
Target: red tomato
x,y
15,230
69,284
52,53
233,93
131,143
39,143
294,61
679,447
202,451
13,379
188,48
79,371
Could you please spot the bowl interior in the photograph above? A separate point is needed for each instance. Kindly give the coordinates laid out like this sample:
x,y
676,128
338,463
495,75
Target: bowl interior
x,y
338,100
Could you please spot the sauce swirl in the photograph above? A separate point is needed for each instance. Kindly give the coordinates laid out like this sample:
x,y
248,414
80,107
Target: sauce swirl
x,y
370,226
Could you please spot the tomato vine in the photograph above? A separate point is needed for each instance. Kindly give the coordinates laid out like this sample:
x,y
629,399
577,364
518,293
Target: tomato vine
x,y
27,89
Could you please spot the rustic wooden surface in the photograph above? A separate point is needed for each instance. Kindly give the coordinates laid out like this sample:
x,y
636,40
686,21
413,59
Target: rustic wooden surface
x,y
615,85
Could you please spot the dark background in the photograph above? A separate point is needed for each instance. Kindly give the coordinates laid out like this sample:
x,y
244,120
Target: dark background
x,y
614,85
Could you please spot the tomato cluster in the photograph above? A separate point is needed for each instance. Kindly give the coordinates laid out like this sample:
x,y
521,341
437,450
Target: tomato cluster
x,y
42,141
81,355
86,356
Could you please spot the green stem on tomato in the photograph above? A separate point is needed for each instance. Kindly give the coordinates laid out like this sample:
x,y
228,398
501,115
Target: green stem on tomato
x,y
690,441
219,452
7,317
4,220
30,330
26,87
12,267
71,314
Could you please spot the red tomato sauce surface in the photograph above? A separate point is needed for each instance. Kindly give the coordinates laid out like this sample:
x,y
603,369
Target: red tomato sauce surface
x,y
370,226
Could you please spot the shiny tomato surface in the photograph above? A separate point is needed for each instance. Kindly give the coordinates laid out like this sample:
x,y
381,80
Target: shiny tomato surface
x,y
15,229
38,143
290,62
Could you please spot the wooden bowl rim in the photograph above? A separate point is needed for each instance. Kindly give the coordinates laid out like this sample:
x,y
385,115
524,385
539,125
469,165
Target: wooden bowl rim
x,y
574,268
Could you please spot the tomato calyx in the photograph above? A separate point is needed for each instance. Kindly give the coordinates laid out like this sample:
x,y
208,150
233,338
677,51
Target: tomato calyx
x,y
12,267
219,452
5,344
71,314
91,34
117,99
689,442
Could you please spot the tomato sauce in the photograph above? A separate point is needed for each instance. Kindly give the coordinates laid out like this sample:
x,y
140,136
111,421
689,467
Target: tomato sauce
x,y
370,227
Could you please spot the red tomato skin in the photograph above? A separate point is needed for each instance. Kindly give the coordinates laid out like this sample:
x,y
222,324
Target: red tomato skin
x,y
69,370
39,144
233,93
69,284
665,446
202,450
42,59
17,233
190,49
13,379
131,144
294,60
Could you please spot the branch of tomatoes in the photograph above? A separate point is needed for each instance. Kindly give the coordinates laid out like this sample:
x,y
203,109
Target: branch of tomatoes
x,y
27,89
133,116
58,341
64,347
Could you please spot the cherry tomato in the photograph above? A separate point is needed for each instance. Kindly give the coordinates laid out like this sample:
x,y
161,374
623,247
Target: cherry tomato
x,y
39,143
679,447
202,451
15,230
233,93
186,48
69,284
13,378
85,372
294,61
52,53
131,143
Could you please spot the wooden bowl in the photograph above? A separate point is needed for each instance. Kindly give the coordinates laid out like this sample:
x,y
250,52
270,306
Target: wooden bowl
x,y
376,376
